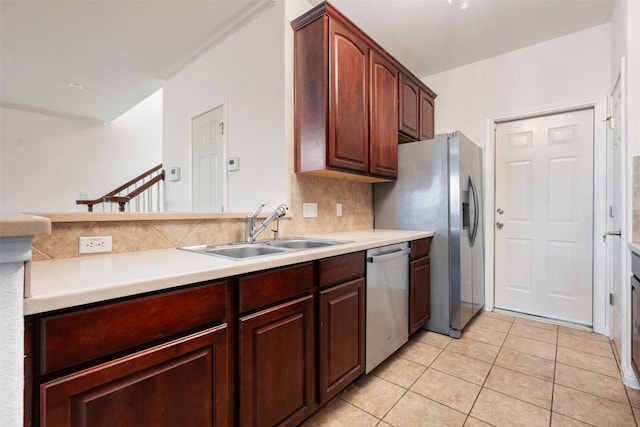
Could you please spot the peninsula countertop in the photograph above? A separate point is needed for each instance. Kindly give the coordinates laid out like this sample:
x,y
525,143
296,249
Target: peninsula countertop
x,y
65,283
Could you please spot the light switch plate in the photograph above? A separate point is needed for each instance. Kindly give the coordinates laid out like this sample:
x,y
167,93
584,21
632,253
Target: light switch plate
x,y
338,209
309,210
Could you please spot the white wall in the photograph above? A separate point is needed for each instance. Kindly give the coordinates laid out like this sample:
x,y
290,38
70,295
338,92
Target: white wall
x,y
564,70
47,161
246,72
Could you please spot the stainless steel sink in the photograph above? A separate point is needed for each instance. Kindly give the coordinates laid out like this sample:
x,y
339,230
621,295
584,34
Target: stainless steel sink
x,y
237,251
305,243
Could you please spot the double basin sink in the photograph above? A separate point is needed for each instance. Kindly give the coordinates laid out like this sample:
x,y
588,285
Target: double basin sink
x,y
237,251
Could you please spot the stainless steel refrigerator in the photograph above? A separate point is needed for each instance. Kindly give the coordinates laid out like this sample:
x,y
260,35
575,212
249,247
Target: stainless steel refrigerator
x,y
439,189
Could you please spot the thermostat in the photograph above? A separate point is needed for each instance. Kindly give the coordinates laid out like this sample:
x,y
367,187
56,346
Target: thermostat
x,y
173,174
233,163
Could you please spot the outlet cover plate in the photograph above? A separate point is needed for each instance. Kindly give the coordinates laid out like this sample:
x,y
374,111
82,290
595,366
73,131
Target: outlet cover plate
x,y
94,244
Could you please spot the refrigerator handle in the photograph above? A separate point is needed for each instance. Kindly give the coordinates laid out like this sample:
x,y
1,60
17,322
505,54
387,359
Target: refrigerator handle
x,y
476,211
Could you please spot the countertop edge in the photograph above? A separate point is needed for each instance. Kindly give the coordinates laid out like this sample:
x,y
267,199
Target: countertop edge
x,y
23,225
69,272
635,247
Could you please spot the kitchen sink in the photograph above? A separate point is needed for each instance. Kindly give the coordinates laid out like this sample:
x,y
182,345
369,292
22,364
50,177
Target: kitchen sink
x,y
305,243
238,251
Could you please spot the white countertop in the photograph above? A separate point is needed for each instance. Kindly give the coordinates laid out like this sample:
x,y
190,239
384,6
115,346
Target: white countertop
x,y
635,247
70,282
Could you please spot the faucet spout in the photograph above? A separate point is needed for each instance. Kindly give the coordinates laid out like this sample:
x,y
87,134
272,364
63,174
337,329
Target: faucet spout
x,y
253,231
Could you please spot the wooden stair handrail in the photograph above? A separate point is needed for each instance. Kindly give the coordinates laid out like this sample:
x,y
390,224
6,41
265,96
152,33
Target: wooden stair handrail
x,y
112,193
122,200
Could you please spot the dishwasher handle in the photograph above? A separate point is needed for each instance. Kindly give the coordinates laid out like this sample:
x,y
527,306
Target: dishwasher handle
x,y
389,256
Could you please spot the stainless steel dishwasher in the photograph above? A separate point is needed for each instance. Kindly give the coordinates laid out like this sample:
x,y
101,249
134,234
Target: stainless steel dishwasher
x,y
387,302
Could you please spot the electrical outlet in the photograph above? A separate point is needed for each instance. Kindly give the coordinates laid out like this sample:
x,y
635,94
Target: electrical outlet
x,y
309,210
94,244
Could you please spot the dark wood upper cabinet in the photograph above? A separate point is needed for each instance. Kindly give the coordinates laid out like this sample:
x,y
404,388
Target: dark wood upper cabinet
x,y
416,112
348,144
383,154
408,122
353,101
427,111
346,100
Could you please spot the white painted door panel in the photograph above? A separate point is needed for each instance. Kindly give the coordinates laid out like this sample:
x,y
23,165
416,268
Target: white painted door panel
x,y
208,163
544,186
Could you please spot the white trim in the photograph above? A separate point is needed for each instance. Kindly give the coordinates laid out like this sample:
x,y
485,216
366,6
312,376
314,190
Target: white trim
x,y
599,105
627,234
255,9
67,116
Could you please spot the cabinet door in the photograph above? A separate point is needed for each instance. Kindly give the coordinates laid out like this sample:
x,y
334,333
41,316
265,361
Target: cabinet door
x,y
277,369
182,382
419,293
341,337
383,149
427,120
408,122
348,146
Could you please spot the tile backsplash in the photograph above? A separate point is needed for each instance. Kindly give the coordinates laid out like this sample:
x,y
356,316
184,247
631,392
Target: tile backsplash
x,y
142,235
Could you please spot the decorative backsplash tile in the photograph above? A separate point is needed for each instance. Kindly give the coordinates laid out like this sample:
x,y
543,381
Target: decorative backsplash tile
x,y
131,236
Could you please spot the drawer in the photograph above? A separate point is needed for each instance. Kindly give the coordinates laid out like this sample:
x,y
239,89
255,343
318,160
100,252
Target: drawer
x,y
263,289
340,269
86,334
420,248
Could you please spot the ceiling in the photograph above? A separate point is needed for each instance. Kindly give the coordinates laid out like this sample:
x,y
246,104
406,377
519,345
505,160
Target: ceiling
x,y
121,51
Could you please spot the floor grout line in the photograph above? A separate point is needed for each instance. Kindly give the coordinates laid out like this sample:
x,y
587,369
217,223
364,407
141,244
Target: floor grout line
x,y
483,386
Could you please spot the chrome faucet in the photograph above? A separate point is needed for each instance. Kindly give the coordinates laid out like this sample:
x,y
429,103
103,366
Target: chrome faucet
x,y
253,231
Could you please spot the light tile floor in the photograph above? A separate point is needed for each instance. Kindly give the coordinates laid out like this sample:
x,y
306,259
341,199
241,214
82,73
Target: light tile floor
x,y
504,371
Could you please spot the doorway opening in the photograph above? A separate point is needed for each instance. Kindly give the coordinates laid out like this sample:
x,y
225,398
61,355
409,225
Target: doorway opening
x,y
208,153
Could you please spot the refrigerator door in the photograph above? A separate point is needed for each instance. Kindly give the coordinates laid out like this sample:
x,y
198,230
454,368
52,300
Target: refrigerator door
x,y
467,287
478,242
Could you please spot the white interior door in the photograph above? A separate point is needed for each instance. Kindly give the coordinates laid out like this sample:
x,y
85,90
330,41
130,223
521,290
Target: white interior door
x,y
544,216
207,166
614,197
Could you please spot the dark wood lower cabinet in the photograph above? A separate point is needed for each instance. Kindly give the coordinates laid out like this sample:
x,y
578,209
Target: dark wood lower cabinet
x,y
341,352
419,292
277,364
182,382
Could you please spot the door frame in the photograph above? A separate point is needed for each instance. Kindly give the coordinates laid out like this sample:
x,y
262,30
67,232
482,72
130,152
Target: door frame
x,y
626,227
225,152
601,308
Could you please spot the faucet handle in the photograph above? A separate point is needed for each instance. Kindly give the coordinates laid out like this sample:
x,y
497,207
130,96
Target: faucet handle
x,y
257,212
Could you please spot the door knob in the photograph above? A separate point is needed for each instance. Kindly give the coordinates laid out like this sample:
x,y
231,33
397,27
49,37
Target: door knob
x,y
611,233
500,211
499,224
